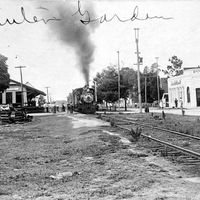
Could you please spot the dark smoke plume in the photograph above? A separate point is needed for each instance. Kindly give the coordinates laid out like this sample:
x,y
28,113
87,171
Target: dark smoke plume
x,y
70,31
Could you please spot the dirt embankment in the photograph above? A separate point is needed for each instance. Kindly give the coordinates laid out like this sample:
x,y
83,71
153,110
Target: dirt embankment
x,y
78,157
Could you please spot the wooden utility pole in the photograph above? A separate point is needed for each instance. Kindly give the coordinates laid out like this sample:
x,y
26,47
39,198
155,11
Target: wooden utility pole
x,y
22,92
158,84
145,89
118,82
47,94
138,66
95,91
145,82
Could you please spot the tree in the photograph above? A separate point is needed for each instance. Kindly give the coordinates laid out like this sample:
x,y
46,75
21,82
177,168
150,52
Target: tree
x,y
4,75
128,84
175,68
107,85
151,84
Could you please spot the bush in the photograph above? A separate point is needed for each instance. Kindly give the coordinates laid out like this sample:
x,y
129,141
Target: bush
x,y
135,133
112,123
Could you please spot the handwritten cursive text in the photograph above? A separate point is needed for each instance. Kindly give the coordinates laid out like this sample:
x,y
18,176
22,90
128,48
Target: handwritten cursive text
x,y
104,17
25,19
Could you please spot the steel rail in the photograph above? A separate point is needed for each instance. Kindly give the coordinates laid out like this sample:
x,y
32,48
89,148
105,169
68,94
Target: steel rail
x,y
166,143
163,129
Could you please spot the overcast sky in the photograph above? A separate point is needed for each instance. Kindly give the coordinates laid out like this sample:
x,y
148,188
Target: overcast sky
x,y
63,52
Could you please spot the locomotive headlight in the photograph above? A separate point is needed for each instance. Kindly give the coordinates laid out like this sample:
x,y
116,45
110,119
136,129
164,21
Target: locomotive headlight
x,y
88,98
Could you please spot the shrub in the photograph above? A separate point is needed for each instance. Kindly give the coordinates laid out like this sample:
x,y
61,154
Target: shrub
x,y
112,123
135,133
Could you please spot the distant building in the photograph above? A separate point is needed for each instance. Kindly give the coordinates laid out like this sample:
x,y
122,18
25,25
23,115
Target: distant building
x,y
13,94
185,88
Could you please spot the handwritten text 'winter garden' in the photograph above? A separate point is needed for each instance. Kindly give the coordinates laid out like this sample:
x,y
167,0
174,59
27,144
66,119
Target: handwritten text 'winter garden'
x,y
85,14
104,18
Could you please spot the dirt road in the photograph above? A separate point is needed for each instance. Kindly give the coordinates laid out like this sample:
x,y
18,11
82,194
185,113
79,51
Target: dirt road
x,y
67,157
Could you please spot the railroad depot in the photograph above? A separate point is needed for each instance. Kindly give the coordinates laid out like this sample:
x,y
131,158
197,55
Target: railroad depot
x,y
185,88
13,95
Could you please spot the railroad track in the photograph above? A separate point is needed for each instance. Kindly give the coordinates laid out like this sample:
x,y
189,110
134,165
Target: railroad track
x,y
162,129
184,155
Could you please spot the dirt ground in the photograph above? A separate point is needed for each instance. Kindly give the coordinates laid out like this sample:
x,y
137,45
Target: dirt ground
x,y
74,156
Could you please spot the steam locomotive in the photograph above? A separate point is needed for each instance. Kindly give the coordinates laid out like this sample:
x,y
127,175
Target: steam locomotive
x,y
83,100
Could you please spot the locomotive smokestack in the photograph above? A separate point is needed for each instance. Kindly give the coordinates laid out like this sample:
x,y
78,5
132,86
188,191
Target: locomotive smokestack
x,y
86,86
70,31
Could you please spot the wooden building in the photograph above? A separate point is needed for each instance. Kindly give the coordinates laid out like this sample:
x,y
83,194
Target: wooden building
x,y
13,95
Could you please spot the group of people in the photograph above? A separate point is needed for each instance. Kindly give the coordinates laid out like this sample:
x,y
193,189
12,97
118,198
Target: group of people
x,y
55,108
176,102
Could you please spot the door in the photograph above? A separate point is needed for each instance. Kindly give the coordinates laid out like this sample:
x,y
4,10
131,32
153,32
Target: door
x,y
8,97
198,96
18,97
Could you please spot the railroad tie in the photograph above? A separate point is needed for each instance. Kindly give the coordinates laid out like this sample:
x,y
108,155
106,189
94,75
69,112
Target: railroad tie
x,y
173,153
193,163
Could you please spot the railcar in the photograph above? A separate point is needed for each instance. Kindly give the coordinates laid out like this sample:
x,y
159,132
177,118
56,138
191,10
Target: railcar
x,y
83,100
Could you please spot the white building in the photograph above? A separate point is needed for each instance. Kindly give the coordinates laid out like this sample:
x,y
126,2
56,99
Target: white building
x,y
185,88
13,94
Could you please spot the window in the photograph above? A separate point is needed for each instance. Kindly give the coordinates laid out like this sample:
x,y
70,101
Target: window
x,y
188,94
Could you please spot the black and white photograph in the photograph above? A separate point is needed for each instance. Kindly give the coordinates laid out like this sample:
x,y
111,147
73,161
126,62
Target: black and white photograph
x,y
99,100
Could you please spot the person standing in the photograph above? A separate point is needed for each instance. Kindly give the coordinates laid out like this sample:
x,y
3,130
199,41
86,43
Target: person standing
x,y
176,102
63,107
68,108
57,108
54,108
71,108
164,102
181,101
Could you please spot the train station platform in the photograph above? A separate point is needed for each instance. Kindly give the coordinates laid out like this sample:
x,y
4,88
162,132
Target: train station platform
x,y
40,114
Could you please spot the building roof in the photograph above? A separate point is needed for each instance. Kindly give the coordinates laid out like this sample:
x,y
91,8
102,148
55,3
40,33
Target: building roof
x,y
30,89
27,83
188,68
